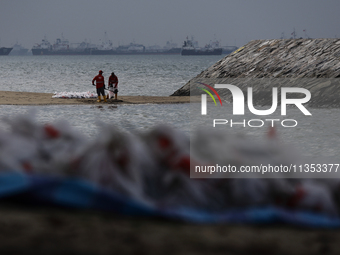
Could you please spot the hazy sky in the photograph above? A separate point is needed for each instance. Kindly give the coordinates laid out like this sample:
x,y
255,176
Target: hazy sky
x,y
150,22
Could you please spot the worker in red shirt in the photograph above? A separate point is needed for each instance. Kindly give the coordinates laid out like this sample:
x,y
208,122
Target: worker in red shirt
x,y
100,85
113,85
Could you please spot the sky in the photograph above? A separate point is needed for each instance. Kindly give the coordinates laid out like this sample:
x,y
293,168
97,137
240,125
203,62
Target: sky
x,y
154,22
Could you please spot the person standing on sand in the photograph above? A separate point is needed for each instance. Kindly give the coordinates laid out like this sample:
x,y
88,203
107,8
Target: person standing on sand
x,y
100,85
113,85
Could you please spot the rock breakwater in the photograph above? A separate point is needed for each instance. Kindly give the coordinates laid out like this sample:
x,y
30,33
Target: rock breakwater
x,y
313,64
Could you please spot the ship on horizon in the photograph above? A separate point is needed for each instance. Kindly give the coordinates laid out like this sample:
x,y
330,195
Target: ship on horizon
x,y
136,49
190,48
5,51
19,50
63,47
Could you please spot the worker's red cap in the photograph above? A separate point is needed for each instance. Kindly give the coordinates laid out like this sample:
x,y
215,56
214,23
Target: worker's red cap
x,y
100,71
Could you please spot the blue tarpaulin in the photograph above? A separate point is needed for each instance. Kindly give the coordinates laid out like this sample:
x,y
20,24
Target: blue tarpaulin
x,y
82,194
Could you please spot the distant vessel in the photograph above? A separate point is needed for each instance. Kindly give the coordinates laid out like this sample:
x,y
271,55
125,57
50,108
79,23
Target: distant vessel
x,y
134,49
190,48
5,51
108,49
62,47
18,50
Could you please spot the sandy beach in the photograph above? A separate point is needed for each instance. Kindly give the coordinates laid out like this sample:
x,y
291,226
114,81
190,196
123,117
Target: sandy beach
x,y
32,98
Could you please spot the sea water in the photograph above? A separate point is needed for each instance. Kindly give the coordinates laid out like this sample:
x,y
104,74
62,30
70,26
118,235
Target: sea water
x,y
151,75
146,75
157,75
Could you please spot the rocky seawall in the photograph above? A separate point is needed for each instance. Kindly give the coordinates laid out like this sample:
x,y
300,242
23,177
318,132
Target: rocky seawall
x,y
313,64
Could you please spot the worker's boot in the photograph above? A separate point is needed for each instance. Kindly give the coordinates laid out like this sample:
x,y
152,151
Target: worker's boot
x,y
104,99
107,96
99,100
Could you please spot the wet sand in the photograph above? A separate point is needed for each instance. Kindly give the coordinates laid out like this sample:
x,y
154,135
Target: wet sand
x,y
32,98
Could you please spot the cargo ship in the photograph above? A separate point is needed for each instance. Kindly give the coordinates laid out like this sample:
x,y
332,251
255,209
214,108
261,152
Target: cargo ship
x,y
5,51
190,48
135,49
18,50
62,47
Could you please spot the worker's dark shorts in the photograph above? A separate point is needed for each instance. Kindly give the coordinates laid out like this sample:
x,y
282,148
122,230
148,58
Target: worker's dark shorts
x,y
100,91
